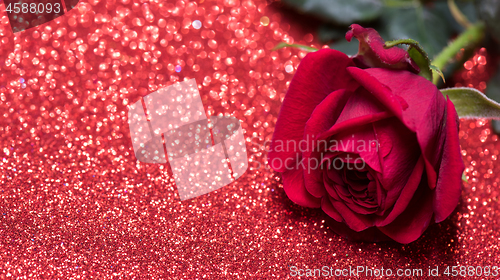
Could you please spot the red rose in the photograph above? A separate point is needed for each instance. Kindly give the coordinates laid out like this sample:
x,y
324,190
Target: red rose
x,y
369,141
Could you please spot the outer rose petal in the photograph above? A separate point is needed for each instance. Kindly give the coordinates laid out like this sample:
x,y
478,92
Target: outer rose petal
x,y
357,222
348,125
319,74
415,219
322,118
362,108
398,163
293,184
406,194
448,189
328,208
360,103
427,103
378,90
425,114
371,52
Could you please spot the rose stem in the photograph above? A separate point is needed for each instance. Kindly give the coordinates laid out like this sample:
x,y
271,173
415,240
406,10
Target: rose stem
x,y
470,37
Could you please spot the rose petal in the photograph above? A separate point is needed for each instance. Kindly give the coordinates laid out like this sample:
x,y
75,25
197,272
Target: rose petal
x,y
336,191
384,143
293,184
325,115
414,220
361,108
328,208
406,194
426,104
381,194
360,103
397,165
313,177
372,53
319,74
343,194
352,123
431,173
380,91
448,189
359,141
355,221
322,118
334,176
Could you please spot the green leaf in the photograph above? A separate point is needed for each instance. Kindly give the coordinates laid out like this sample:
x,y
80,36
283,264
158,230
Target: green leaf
x,y
297,46
471,103
464,178
343,12
493,92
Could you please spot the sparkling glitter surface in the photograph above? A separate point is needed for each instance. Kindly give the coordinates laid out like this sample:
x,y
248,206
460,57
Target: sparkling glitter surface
x,y
75,202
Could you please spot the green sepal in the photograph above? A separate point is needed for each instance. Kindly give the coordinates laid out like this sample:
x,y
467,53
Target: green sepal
x,y
417,53
436,70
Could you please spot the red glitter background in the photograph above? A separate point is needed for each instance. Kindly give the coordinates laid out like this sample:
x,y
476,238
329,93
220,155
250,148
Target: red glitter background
x,y
75,202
